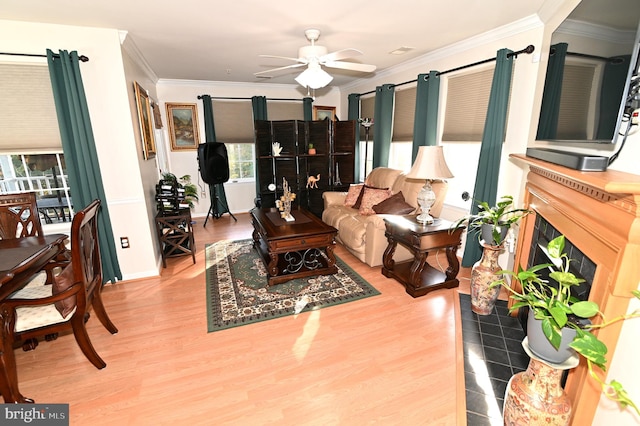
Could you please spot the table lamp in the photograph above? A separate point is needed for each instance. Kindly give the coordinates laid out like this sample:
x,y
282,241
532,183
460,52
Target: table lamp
x,y
429,165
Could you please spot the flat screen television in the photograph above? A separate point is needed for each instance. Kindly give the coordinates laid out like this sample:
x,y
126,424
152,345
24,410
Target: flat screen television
x,y
593,57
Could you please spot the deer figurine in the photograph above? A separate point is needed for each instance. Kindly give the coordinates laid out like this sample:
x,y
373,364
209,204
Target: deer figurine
x,y
312,181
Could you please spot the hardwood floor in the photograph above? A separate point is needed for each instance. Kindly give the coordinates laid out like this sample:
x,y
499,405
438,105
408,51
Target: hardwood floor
x,y
387,360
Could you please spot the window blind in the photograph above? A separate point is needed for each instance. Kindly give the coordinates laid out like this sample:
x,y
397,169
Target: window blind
x,y
367,107
404,114
233,120
575,102
285,110
467,102
28,120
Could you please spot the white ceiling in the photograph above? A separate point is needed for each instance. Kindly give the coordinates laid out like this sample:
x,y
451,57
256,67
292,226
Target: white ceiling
x,y
216,41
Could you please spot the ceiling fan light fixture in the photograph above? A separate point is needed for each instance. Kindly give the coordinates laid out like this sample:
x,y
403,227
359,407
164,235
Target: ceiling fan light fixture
x,y
314,77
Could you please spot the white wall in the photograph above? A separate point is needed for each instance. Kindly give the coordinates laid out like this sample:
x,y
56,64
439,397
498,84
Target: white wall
x,y
240,196
109,107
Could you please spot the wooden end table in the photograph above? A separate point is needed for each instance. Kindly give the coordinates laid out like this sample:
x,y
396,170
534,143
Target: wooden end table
x,y
175,234
418,276
295,249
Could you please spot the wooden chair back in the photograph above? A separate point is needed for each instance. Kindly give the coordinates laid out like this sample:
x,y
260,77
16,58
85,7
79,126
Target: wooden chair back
x,y
19,216
87,263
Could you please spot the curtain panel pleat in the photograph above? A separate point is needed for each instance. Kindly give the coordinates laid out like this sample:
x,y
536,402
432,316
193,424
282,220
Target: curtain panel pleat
x,y
550,108
307,107
79,148
486,186
210,136
425,126
383,125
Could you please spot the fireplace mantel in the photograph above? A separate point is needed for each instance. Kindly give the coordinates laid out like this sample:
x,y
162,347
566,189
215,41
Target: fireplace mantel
x,y
599,213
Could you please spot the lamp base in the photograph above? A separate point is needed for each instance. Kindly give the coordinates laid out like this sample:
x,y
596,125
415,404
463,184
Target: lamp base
x,y
425,218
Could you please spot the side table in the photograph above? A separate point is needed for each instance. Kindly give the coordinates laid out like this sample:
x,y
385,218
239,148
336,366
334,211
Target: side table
x,y
175,234
418,276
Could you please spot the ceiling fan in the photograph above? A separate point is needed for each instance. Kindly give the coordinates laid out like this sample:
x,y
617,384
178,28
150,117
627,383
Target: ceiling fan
x,y
314,56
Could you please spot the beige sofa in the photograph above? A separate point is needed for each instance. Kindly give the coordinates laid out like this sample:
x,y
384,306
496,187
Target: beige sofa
x,y
364,235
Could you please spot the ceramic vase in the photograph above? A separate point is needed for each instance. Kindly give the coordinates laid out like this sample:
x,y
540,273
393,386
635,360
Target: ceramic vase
x,y
483,273
535,396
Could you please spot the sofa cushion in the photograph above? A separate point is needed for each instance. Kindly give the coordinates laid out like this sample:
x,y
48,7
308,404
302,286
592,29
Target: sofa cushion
x,y
371,197
352,232
334,215
359,201
394,205
353,195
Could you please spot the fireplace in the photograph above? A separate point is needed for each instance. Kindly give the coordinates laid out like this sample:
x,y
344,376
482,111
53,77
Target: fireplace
x,y
598,214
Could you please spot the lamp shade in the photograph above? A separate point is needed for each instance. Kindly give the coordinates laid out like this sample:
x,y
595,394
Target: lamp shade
x,y
430,164
314,77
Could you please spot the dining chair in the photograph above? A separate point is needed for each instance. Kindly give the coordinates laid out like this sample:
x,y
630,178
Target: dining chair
x,y
86,268
49,309
19,216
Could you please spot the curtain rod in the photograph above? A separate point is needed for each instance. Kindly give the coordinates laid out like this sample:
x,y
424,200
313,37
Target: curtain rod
x,y
613,59
82,58
529,49
248,99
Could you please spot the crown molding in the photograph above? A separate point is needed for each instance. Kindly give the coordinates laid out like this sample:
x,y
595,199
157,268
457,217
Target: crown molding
x,y
528,23
595,31
131,48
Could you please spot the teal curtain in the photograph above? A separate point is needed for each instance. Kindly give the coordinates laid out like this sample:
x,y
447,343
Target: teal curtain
x,y
80,155
307,106
383,127
550,108
613,81
486,186
354,114
221,205
425,126
259,104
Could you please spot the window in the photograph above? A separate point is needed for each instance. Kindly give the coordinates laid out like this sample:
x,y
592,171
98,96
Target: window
x,y
402,139
233,120
44,174
241,161
467,102
285,110
367,108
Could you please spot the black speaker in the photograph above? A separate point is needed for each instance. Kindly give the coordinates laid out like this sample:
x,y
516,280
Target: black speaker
x,y
213,162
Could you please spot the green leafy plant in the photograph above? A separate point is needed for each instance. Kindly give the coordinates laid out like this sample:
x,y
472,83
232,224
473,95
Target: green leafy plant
x,y
190,189
499,217
557,308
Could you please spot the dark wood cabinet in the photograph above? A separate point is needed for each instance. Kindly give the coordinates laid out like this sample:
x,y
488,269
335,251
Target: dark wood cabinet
x,y
334,160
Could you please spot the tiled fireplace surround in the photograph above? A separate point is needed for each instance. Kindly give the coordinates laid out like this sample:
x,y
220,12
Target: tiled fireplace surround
x,y
597,212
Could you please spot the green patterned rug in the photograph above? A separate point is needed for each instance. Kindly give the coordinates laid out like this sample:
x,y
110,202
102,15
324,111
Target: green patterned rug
x,y
237,291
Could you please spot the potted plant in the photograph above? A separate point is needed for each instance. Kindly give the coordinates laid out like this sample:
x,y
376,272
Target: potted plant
x,y
491,224
190,189
311,150
553,310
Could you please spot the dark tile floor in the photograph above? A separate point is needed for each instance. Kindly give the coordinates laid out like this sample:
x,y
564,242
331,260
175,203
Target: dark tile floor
x,y
492,354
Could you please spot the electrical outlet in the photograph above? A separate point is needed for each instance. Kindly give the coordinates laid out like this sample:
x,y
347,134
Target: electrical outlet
x,y
124,242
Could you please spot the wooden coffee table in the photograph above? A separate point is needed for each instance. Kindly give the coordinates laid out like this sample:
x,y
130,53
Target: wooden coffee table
x,y
295,249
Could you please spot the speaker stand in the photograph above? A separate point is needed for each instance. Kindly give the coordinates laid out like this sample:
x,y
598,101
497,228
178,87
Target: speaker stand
x,y
215,201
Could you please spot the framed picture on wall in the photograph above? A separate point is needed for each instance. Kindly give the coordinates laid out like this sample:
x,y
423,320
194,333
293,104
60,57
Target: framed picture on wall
x,y
146,121
183,126
324,112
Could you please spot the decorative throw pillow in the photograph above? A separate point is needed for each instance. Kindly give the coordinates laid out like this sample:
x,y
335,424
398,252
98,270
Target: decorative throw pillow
x,y
394,205
371,197
359,201
353,194
60,283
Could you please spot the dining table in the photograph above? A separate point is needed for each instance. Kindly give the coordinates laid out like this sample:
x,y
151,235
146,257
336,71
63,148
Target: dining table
x,y
20,260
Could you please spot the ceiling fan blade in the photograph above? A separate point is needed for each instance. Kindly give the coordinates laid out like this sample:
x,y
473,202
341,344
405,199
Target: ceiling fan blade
x,y
278,69
340,54
303,60
350,66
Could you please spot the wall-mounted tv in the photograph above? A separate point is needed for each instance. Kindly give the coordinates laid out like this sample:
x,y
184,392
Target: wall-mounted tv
x,y
593,55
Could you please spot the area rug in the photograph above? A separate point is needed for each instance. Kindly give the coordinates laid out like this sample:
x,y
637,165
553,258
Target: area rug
x,y
238,294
